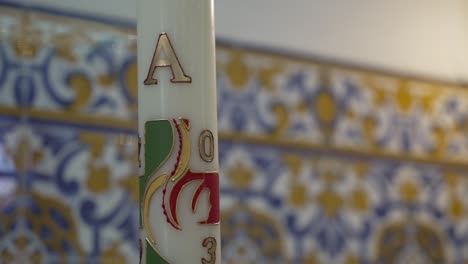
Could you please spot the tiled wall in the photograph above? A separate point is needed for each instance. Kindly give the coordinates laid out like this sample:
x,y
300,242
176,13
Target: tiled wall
x,y
319,163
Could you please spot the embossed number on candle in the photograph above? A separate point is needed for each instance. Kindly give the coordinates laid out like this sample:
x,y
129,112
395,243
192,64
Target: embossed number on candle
x,y
166,56
211,244
206,146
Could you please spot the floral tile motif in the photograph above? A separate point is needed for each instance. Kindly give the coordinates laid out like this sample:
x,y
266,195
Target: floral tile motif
x,y
47,65
319,163
312,104
74,193
331,209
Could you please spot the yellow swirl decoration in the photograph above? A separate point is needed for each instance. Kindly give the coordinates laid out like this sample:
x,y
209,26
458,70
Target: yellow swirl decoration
x,y
83,90
131,79
238,71
281,115
153,187
185,154
325,107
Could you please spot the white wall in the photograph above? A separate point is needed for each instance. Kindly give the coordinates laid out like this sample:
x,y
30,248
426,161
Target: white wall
x,y
125,9
422,37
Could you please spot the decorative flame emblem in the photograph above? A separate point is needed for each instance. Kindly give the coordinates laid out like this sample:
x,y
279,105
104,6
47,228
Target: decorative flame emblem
x,y
160,139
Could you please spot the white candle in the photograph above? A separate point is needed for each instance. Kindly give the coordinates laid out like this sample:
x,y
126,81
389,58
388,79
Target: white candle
x,y
179,205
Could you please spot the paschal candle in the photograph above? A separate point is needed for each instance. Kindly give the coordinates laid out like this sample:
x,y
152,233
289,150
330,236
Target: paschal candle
x,y
178,156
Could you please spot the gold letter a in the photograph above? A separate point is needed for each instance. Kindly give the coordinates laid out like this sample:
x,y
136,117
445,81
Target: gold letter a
x,y
170,60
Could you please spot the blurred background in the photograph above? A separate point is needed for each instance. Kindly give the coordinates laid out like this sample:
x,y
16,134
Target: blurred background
x,y
343,131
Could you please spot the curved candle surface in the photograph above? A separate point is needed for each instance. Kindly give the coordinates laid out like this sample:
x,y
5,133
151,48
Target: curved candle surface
x,y
179,186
